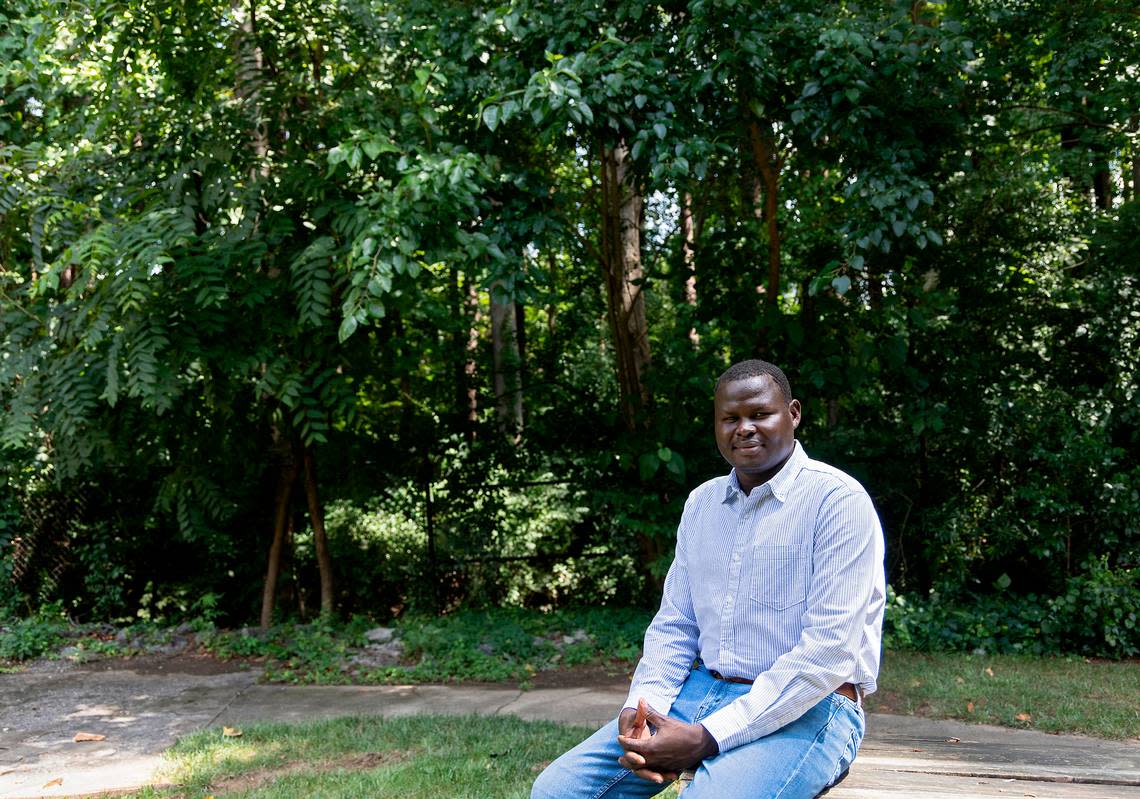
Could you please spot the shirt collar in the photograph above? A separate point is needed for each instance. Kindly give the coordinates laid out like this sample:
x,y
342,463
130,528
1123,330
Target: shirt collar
x,y
779,484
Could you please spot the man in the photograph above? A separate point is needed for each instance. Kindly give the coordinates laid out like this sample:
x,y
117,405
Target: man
x,y
769,630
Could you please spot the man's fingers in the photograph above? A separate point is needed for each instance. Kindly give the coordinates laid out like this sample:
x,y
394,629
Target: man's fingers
x,y
632,745
632,761
652,776
647,774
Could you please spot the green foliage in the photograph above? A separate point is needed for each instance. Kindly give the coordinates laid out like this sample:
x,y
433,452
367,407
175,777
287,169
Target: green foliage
x,y
514,645
298,653
1095,615
495,645
1098,613
32,637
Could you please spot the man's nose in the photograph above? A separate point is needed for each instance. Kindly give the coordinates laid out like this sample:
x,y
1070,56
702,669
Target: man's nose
x,y
746,427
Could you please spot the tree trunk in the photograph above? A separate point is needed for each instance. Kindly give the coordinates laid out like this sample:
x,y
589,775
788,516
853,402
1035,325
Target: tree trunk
x,y
287,475
1102,187
768,163
248,82
1136,176
505,362
320,540
622,209
458,349
521,345
474,317
689,257
550,362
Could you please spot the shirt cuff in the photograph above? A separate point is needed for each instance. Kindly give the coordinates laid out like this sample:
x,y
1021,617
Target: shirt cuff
x,y
728,727
659,703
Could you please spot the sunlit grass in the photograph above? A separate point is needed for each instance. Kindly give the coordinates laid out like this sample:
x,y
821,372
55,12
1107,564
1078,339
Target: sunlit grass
x,y
1059,694
474,757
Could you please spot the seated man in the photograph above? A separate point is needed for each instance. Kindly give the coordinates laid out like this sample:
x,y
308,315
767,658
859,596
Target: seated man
x,y
769,630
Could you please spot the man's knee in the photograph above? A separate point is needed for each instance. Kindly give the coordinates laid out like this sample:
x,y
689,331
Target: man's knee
x,y
547,786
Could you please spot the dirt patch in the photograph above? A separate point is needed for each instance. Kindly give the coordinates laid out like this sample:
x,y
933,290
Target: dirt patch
x,y
608,675
359,762
194,663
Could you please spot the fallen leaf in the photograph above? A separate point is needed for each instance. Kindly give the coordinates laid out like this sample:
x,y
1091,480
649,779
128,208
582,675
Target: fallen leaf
x,y
54,783
80,737
969,707
959,680
1023,717
989,671
953,740
916,683
231,732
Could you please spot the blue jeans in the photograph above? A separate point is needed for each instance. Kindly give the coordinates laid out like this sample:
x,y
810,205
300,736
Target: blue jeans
x,y
795,762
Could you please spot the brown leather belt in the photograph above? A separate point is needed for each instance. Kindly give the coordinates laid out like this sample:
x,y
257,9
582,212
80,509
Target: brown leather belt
x,y
847,689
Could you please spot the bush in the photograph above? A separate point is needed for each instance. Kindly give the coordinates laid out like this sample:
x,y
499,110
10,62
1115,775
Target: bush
x,y
1097,614
33,637
1002,623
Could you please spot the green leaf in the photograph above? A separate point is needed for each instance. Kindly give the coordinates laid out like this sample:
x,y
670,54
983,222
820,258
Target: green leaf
x,y
660,130
647,465
347,328
665,454
491,116
841,284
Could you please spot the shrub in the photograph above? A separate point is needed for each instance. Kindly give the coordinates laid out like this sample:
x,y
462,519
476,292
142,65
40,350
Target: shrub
x,y
33,637
1097,613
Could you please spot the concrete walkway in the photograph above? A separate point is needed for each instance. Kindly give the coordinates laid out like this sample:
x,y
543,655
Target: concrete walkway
x,y
142,714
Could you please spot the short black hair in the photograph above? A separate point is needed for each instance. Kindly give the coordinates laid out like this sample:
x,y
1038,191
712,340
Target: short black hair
x,y
743,370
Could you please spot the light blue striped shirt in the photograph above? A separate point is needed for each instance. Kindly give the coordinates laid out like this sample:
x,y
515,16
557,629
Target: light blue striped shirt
x,y
784,586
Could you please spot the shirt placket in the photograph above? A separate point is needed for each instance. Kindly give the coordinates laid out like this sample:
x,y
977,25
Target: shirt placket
x,y
743,537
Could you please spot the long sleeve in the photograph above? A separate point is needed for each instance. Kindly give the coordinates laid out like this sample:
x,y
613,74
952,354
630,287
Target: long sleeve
x,y
671,640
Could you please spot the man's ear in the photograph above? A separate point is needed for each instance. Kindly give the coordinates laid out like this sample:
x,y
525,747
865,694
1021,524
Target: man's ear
x,y
794,410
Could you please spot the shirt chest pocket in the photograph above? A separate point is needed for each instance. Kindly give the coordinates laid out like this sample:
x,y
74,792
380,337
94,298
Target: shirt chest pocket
x,y
779,576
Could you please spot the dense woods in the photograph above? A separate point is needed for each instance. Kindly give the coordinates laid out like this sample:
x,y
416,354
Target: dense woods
x,y
371,306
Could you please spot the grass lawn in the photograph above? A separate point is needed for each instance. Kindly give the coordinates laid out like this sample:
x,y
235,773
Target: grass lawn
x,y
1048,694
424,757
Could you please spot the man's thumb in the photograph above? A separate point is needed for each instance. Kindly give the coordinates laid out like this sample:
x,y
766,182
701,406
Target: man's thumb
x,y
652,716
643,710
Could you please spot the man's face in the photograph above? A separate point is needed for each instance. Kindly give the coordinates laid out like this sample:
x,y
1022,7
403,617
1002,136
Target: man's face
x,y
755,428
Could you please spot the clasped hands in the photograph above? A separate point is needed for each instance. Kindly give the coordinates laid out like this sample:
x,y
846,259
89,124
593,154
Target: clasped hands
x,y
658,748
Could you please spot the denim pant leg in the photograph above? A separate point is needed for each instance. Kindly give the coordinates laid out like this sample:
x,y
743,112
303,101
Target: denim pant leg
x,y
795,762
591,771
